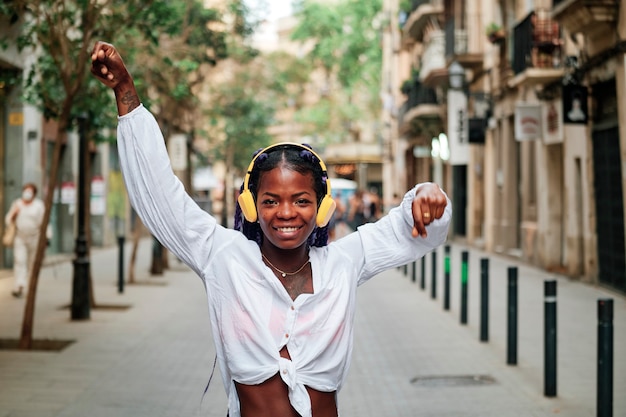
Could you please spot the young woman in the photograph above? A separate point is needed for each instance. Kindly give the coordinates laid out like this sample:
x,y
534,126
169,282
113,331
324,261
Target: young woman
x,y
281,299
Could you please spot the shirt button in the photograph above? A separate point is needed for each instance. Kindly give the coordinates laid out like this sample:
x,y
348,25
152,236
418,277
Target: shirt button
x,y
284,371
286,335
293,308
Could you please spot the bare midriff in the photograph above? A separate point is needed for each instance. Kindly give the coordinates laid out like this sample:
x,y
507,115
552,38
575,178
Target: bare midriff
x,y
270,398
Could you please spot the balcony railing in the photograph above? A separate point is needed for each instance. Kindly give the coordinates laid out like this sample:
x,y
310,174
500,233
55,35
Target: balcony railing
x,y
582,15
464,35
421,18
405,12
417,95
537,43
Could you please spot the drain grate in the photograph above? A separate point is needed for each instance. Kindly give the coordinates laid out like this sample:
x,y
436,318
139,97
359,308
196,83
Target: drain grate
x,y
452,380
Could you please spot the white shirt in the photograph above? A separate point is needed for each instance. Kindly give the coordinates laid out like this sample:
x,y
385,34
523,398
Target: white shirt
x,y
29,217
252,316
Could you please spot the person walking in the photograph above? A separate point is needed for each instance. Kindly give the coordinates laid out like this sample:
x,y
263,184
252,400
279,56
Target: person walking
x,y
281,298
27,213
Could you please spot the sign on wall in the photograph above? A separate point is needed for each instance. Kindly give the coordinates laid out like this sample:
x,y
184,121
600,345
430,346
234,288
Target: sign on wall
x,y
575,104
527,121
552,122
458,131
177,147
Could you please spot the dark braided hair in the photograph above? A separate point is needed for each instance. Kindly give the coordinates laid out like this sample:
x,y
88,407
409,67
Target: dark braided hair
x,y
297,159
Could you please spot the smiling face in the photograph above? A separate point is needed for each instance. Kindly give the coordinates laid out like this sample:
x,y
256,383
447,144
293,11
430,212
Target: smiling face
x,y
287,205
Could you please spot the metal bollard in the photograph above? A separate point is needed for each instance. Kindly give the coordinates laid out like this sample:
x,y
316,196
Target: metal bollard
x,y
484,300
405,269
413,268
604,400
511,351
433,281
423,273
446,278
120,270
464,271
549,389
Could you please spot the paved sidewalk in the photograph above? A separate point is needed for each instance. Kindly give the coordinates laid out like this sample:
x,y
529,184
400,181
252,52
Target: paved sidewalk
x,y
411,357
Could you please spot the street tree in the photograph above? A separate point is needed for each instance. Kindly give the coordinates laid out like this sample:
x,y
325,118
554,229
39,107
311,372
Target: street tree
x,y
238,122
172,68
59,34
342,42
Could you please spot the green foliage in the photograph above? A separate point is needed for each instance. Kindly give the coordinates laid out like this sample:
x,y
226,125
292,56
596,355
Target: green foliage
x,y
240,114
492,28
406,6
346,47
164,42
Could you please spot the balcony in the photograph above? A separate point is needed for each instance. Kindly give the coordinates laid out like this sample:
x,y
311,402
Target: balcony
x,y
537,50
596,16
423,13
420,115
433,70
464,45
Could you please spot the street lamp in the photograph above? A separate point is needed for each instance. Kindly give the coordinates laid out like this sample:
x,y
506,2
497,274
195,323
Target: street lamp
x,y
456,76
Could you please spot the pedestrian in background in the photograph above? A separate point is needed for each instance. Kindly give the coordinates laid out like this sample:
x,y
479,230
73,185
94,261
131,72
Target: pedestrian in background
x,y
281,297
27,213
337,220
356,210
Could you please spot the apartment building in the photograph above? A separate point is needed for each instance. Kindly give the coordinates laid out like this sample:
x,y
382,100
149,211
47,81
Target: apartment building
x,y
513,106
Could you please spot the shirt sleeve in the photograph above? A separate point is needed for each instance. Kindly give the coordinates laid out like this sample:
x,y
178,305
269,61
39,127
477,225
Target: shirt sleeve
x,y
159,197
388,243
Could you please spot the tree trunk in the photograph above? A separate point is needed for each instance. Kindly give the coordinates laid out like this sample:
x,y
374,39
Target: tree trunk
x,y
228,186
137,229
26,337
157,257
87,203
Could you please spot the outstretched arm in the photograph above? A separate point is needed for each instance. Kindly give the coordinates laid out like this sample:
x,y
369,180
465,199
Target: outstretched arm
x,y
108,67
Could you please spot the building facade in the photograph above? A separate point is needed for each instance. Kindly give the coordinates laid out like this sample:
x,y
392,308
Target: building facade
x,y
527,97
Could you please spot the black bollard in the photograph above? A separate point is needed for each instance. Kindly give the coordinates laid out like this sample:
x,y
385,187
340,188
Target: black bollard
x,y
464,271
549,361
413,268
423,273
80,308
604,400
484,300
405,269
120,269
446,278
433,281
511,351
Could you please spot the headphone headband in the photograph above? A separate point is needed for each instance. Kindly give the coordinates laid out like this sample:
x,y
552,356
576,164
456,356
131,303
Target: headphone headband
x,y
276,145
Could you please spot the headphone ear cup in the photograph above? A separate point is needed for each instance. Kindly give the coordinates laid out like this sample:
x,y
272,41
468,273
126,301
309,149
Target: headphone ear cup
x,y
325,211
248,206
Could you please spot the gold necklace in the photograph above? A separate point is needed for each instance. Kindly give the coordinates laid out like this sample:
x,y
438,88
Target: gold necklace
x,y
283,273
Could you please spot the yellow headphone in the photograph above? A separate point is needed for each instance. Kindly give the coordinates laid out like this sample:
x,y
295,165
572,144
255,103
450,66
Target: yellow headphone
x,y
248,205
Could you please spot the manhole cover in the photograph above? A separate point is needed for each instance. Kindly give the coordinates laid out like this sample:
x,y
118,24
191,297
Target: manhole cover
x,y
452,380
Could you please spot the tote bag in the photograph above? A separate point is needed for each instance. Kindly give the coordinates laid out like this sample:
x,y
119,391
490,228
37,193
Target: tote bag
x,y
9,234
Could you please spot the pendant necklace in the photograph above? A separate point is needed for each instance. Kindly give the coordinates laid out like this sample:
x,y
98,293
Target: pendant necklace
x,y
283,273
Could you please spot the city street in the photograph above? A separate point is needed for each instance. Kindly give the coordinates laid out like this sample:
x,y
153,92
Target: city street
x,y
148,351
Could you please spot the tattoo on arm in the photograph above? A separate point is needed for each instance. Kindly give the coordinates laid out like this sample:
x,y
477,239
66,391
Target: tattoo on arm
x,y
130,100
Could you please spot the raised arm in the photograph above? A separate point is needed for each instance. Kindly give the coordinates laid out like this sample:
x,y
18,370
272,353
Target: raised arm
x,y
107,66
